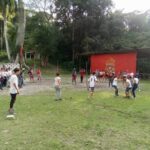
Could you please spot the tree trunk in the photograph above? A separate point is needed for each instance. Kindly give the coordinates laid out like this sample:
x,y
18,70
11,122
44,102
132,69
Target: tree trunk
x,y
17,58
6,38
1,22
21,31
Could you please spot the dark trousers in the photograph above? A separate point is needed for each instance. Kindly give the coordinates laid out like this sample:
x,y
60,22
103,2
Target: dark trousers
x,y
81,78
110,80
13,99
4,82
116,90
1,86
135,86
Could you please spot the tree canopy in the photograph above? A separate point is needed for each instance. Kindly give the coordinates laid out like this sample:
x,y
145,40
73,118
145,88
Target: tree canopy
x,y
67,28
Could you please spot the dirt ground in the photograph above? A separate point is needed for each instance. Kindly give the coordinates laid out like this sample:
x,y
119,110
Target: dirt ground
x,y
47,84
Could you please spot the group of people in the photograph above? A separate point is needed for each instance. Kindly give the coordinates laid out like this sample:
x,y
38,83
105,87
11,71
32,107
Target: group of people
x,y
14,88
74,75
31,74
5,74
130,82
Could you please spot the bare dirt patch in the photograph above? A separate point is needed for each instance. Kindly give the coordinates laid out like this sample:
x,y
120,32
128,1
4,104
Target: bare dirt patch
x,y
47,84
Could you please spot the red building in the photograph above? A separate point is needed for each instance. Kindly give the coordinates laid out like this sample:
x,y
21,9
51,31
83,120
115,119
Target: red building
x,y
114,62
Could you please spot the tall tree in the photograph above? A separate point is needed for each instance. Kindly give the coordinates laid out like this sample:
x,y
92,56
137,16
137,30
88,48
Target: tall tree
x,y
41,36
21,30
7,7
87,19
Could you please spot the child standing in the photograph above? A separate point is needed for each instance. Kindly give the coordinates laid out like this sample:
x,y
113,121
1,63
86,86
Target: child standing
x,y
39,74
31,74
58,86
92,81
135,85
74,76
115,85
82,74
128,86
14,90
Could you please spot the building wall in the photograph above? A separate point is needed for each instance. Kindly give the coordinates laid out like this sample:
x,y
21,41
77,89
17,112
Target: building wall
x,y
122,62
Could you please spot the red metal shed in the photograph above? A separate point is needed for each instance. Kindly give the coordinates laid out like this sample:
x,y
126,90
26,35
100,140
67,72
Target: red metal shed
x,y
114,62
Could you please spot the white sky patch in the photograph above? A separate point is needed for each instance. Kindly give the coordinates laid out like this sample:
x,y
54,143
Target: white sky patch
x,y
131,5
128,5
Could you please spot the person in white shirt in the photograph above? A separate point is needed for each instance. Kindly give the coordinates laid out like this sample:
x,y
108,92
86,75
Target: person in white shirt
x,y
58,86
14,90
92,81
135,85
128,86
115,85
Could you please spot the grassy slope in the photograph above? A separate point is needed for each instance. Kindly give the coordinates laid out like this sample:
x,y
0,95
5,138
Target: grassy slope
x,y
106,122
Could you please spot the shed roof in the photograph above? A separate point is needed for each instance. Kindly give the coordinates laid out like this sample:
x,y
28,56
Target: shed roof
x,y
140,51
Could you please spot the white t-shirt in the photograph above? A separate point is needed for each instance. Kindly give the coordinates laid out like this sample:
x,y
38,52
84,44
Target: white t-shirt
x,y
129,83
115,82
3,74
92,81
13,80
57,81
9,73
136,81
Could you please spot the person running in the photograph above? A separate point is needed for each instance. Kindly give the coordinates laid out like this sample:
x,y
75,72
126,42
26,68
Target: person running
x,y
135,85
92,81
115,85
14,90
128,86
58,86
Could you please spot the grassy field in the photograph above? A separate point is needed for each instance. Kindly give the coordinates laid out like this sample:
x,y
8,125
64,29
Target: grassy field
x,y
76,123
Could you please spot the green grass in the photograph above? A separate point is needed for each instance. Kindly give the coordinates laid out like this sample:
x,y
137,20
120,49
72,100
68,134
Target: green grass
x,y
104,123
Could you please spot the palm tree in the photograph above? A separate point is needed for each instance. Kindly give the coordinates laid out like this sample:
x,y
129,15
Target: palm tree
x,y
6,7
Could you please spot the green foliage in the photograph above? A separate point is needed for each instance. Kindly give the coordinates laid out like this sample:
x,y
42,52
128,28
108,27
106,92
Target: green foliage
x,y
63,29
3,56
12,34
69,65
41,36
8,11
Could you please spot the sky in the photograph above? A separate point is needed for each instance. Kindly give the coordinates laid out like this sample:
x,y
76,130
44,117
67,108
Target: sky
x,y
131,5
